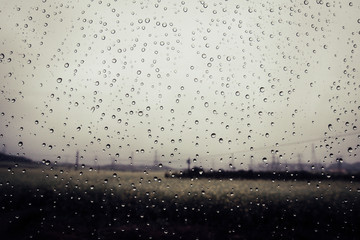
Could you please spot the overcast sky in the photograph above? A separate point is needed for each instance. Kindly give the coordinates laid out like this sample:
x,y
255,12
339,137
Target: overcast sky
x,y
198,79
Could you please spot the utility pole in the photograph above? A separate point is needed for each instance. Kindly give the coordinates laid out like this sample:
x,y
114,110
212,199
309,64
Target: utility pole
x,y
113,163
96,164
188,163
300,167
251,166
232,167
286,166
77,160
339,164
273,163
313,155
3,149
156,161
314,159
132,161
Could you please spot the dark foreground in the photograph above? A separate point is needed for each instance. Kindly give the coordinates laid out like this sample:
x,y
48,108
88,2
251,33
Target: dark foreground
x,y
124,208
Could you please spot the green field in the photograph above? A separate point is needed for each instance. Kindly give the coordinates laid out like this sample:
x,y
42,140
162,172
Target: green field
x,y
44,203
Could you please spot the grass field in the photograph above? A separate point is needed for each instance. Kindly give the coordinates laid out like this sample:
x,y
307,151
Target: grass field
x,y
44,203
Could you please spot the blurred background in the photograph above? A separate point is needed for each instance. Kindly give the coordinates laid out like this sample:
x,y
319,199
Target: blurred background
x,y
220,82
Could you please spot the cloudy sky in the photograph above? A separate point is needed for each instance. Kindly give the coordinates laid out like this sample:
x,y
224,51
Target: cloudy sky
x,y
207,80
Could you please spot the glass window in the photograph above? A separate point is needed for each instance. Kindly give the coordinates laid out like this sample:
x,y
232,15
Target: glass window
x,y
179,119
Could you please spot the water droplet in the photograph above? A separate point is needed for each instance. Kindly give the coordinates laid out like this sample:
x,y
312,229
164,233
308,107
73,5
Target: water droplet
x,y
213,135
20,144
59,80
330,127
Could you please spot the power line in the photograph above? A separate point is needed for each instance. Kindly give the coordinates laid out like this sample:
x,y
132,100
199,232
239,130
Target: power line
x,y
282,145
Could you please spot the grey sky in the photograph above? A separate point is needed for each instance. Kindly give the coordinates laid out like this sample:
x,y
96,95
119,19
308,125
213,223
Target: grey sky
x,y
187,78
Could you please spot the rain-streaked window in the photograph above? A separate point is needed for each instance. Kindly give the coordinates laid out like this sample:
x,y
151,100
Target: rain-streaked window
x,y
179,119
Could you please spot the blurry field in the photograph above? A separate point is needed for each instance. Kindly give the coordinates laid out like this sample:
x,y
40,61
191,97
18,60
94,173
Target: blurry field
x,y
67,204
